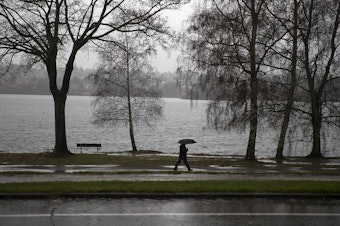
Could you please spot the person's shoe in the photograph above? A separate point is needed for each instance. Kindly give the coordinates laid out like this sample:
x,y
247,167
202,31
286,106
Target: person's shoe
x,y
175,169
189,169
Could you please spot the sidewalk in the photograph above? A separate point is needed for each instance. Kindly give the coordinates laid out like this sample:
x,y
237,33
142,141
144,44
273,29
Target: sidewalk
x,y
42,173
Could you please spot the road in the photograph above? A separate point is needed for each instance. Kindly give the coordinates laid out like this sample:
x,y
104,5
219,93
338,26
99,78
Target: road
x,y
171,211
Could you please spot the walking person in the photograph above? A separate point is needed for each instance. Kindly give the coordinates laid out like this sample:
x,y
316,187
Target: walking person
x,y
183,157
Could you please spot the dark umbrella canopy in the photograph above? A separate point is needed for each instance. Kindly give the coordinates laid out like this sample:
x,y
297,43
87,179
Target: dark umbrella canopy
x,y
187,141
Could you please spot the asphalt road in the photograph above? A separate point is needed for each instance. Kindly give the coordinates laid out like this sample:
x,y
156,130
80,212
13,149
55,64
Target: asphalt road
x,y
171,211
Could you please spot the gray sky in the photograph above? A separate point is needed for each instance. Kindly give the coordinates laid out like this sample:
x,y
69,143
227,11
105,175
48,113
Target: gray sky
x,y
164,61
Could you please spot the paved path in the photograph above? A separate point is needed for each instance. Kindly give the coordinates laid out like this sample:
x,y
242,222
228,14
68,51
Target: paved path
x,y
162,173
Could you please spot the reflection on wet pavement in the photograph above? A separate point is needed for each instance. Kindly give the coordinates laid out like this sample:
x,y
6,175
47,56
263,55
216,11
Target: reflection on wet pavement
x,y
265,167
171,211
58,168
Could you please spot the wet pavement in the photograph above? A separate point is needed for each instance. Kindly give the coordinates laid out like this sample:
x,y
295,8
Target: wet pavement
x,y
173,211
38,173
266,166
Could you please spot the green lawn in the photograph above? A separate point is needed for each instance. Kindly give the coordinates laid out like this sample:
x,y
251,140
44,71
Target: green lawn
x,y
231,186
127,160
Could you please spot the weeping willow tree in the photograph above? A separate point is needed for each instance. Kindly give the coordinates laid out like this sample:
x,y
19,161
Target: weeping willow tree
x,y
320,36
306,62
227,44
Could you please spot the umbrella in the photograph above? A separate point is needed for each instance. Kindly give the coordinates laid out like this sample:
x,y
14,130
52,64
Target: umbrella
x,y
186,141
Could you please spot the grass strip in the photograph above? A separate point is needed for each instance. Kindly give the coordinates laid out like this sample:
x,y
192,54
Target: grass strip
x,y
125,160
79,159
230,186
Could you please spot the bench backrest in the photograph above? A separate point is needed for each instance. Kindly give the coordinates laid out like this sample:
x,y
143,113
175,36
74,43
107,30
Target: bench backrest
x,y
89,145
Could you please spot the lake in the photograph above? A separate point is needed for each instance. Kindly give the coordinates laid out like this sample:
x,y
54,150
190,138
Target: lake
x,y
27,125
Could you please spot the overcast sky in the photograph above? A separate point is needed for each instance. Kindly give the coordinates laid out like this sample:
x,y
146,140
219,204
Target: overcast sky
x,y
163,61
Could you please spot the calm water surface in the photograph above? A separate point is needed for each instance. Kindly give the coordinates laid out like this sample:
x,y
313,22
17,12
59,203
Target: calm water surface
x,y
27,125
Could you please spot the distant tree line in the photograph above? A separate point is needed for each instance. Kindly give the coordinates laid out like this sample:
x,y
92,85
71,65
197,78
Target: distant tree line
x,y
36,82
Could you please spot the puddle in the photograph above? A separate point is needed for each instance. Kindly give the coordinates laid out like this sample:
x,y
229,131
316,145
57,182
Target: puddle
x,y
57,168
229,168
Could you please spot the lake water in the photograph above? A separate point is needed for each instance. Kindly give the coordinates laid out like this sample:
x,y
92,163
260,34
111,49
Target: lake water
x,y
27,125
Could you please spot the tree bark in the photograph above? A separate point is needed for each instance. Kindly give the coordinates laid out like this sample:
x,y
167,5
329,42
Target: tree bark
x,y
316,123
132,137
250,155
60,147
290,100
59,97
285,123
253,121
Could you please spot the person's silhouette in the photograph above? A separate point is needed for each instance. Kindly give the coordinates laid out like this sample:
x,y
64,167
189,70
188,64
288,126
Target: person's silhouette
x,y
182,156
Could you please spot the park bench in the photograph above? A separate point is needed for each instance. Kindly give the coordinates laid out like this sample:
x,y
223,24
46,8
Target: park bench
x,y
83,145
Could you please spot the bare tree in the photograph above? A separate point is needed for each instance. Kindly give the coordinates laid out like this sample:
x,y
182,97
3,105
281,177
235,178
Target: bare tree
x,y
283,67
319,27
126,92
315,61
293,32
228,43
53,32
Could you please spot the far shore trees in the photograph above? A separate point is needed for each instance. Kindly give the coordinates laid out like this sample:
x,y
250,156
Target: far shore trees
x,y
52,32
125,89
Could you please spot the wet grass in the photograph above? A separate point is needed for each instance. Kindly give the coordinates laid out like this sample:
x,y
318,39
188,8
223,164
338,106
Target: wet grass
x,y
127,160
81,159
230,186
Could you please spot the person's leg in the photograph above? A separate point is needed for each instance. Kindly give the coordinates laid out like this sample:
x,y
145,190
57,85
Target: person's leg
x,y
177,163
187,164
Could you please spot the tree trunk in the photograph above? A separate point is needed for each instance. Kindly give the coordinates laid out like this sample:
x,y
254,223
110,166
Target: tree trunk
x,y
289,104
284,127
316,123
132,137
59,97
60,147
316,150
253,88
253,120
